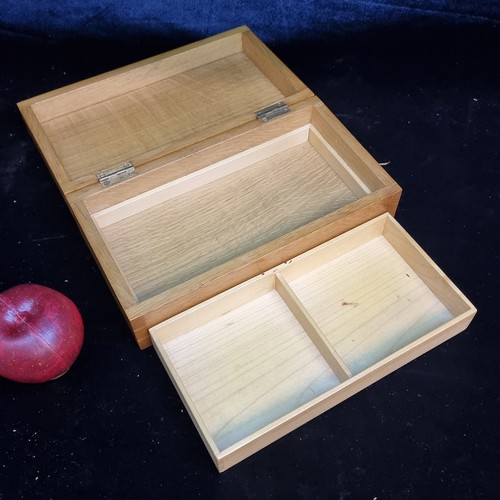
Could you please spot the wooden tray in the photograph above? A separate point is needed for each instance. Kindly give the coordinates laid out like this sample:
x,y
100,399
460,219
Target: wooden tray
x,y
264,357
200,168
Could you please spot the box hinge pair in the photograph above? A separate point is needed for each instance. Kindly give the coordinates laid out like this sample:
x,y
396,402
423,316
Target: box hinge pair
x,y
117,174
272,112
126,170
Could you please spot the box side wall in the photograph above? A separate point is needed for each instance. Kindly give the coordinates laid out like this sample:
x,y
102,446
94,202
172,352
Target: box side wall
x,y
437,281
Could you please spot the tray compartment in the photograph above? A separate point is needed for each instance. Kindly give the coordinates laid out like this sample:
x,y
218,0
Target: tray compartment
x,y
369,303
376,298
245,366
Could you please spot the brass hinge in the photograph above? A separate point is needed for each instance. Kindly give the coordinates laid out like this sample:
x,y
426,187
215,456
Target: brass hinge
x,y
272,112
117,174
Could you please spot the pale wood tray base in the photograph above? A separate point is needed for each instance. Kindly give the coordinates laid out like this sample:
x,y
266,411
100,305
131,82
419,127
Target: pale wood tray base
x,y
369,303
249,367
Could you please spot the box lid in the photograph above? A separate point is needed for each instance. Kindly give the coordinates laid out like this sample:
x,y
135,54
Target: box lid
x,y
109,127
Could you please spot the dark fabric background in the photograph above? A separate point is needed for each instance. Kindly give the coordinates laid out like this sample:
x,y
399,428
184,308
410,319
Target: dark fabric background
x,y
418,83
271,20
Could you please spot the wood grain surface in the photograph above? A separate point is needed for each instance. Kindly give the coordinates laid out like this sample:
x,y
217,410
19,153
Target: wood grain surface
x,y
171,242
248,368
189,106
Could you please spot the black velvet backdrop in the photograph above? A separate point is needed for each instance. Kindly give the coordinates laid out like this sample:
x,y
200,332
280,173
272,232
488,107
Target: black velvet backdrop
x,y
272,20
418,84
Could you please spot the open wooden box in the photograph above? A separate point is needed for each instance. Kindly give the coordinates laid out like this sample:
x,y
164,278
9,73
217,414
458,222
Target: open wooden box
x,y
259,360
245,232
184,187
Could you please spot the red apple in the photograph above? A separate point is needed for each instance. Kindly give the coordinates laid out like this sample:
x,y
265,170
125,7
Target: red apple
x,y
41,333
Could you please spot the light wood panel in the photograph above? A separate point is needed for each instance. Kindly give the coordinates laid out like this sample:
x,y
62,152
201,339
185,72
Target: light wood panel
x,y
160,117
369,303
307,322
248,368
136,75
349,150
429,272
182,184
192,233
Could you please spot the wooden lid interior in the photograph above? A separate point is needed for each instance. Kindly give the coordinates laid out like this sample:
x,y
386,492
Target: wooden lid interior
x,y
160,105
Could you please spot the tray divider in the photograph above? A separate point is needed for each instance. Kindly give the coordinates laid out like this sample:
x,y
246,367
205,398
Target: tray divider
x,y
311,328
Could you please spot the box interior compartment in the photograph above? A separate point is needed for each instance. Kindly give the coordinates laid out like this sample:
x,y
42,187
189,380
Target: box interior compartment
x,y
182,229
249,360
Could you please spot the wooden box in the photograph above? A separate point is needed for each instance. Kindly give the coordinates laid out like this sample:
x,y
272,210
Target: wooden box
x,y
195,170
245,232
264,357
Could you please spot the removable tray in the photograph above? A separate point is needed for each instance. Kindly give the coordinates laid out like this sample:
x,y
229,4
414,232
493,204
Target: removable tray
x,y
268,355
